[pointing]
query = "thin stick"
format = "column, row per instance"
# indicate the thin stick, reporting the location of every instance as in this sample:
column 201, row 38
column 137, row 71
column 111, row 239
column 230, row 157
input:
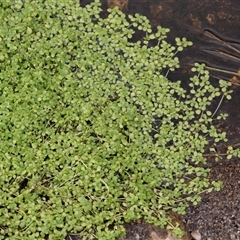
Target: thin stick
column 225, row 80
column 211, row 35
column 218, row 106
column 225, row 54
column 222, row 70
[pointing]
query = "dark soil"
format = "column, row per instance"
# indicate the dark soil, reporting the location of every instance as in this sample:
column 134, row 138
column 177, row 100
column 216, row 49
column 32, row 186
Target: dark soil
column 217, row 217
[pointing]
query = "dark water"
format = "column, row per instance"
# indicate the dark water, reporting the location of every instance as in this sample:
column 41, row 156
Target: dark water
column 194, row 19
column 214, row 28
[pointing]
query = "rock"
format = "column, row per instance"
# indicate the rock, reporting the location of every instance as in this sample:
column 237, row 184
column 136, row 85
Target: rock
column 154, row 236
column 196, row 235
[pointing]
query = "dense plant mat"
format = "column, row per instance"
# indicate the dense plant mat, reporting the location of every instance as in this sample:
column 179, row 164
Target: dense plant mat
column 93, row 134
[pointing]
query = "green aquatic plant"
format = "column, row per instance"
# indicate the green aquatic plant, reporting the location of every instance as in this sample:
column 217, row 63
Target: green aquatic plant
column 93, row 133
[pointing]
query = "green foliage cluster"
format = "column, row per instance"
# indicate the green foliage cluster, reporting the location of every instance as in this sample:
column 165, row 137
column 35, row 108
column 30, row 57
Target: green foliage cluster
column 93, row 134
